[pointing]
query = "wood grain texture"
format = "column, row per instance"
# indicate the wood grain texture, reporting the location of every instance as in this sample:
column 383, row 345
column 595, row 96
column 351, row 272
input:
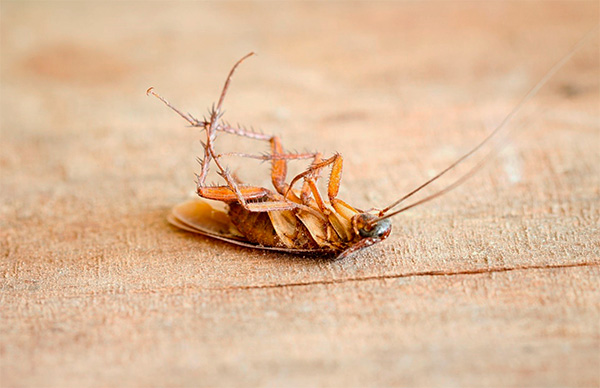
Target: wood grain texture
column 494, row 284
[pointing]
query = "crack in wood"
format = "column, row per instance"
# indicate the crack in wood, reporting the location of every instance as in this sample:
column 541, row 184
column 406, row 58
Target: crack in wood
column 172, row 290
column 476, row 271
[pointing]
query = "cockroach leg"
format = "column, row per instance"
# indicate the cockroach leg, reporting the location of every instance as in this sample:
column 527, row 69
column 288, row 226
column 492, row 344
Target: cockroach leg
column 234, row 191
column 278, row 166
column 241, row 131
column 306, row 187
column 335, row 174
column 310, row 178
column 188, row 118
column 225, row 193
column 278, row 160
column 335, row 177
column 266, row 157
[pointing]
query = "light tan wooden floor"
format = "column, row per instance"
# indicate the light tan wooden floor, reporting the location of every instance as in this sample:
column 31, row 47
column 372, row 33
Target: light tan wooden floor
column 495, row 284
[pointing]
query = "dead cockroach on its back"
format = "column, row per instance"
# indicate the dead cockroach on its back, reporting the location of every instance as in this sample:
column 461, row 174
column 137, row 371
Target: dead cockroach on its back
column 295, row 217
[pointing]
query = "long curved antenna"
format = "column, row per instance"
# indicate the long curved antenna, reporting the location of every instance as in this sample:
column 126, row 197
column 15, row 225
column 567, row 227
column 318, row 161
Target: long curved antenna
column 446, row 189
column 532, row 92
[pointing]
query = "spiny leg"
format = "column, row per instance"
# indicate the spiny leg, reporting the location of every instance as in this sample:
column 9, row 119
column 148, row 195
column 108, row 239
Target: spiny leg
column 205, row 161
column 278, row 166
column 211, row 127
column 335, row 177
column 278, row 157
column 277, row 201
column 211, row 136
column 278, row 160
column 279, row 172
column 310, row 184
column 306, row 187
column 278, row 175
column 187, row 116
column 334, row 180
column 268, row 157
column 242, row 131
column 233, row 191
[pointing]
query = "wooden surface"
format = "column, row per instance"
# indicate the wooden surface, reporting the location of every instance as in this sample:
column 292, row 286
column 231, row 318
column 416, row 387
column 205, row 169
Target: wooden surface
column 495, row 284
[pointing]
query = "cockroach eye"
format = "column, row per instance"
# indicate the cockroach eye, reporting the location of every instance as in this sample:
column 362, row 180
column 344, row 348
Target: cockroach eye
column 381, row 229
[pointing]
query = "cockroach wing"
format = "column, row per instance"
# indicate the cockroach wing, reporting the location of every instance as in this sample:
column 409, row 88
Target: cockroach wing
column 200, row 216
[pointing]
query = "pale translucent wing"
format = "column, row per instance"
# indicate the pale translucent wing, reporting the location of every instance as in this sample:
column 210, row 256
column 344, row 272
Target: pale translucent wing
column 202, row 217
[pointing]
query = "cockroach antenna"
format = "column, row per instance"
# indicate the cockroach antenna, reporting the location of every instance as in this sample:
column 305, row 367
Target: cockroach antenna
column 383, row 214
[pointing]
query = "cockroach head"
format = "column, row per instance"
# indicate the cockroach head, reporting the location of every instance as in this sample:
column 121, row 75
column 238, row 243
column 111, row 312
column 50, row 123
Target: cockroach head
column 367, row 226
column 371, row 229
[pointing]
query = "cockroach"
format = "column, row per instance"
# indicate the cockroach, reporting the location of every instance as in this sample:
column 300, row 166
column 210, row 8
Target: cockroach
column 296, row 219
